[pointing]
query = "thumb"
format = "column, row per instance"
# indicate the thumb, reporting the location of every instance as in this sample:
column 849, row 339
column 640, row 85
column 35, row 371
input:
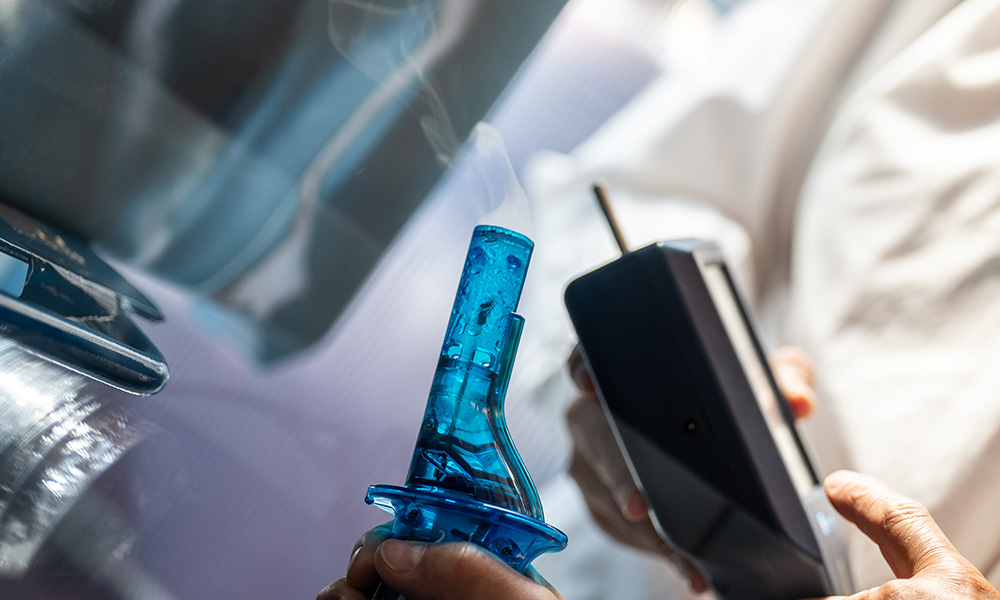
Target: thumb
column 906, row 534
column 451, row 571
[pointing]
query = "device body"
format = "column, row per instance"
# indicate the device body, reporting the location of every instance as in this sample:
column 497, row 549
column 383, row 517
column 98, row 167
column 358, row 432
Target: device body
column 466, row 479
column 709, row 438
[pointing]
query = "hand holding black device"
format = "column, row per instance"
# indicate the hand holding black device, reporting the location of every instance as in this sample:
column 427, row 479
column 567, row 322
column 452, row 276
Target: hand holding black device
column 709, row 438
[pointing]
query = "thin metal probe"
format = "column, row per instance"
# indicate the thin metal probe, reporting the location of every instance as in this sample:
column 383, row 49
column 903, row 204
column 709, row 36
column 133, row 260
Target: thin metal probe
column 601, row 191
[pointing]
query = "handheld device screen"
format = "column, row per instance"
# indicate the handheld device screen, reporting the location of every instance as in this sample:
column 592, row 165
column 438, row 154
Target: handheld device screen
column 724, row 296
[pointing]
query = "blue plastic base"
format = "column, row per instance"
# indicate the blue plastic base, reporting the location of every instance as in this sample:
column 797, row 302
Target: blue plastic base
column 435, row 515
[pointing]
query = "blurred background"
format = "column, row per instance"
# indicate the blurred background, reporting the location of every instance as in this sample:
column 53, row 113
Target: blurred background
column 293, row 185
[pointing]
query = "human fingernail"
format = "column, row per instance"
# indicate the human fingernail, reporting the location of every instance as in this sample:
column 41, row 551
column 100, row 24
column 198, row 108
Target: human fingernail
column 631, row 504
column 400, row 556
column 793, row 381
column 795, row 387
column 354, row 555
column 693, row 576
column 837, row 480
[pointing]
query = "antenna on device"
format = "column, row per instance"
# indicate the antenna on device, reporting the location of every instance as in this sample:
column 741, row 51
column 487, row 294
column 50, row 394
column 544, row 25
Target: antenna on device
column 601, row 191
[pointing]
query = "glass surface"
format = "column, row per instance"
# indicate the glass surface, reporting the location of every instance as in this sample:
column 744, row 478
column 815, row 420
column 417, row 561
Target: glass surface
column 264, row 153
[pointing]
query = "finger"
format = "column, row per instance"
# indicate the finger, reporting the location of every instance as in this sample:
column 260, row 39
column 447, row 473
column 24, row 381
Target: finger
column 597, row 495
column 696, row 581
column 620, row 502
column 604, row 509
column 361, row 574
column 637, row 533
column 452, row 571
column 339, row 590
column 906, row 534
column 578, row 371
column 595, row 444
column 533, row 574
column 793, row 372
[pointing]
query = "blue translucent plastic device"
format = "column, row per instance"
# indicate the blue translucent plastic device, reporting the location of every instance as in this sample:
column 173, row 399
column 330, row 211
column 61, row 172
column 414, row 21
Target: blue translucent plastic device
column 466, row 480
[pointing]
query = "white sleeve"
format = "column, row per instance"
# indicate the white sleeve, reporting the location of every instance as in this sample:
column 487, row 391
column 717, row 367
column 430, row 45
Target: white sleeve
column 896, row 280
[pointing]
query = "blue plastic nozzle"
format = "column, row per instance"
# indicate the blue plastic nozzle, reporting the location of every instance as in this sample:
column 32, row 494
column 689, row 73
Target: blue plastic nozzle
column 466, row 479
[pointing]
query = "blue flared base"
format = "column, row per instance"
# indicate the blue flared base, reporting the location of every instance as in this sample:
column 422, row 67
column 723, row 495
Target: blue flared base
column 436, row 515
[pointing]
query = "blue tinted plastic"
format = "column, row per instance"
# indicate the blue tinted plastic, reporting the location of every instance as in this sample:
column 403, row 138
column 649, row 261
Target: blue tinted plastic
column 466, row 480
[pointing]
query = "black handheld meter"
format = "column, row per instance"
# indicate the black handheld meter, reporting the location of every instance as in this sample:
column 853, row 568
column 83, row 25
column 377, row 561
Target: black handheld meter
column 707, row 434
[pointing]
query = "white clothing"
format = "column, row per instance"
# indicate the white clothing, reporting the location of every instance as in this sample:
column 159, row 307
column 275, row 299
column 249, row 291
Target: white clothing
column 852, row 151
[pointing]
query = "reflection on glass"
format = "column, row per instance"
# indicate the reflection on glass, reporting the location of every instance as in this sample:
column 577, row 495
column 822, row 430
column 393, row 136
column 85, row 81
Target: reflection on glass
column 56, row 438
column 263, row 152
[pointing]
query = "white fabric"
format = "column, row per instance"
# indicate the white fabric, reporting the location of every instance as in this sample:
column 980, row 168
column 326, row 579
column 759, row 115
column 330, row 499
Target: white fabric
column 851, row 149
column 896, row 278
